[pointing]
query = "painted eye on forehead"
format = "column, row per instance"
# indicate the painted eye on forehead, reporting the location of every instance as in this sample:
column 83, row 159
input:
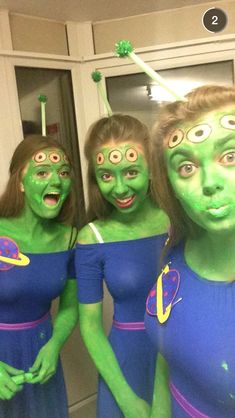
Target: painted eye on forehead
column 39, row 157
column 176, row 137
column 199, row 133
column 54, row 157
column 115, row 156
column 100, row 158
column 228, row 122
column 131, row 155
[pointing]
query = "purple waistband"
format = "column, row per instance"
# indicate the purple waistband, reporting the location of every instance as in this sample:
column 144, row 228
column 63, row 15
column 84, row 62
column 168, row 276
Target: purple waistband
column 23, row 325
column 130, row 326
column 185, row 405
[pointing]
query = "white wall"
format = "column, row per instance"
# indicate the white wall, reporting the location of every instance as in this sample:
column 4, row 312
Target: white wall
column 175, row 25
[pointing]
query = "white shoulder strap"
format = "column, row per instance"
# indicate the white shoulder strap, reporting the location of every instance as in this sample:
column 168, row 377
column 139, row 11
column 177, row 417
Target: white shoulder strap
column 96, row 232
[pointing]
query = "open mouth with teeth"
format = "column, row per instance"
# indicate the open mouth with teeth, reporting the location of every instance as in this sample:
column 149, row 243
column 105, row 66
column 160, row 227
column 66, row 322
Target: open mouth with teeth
column 51, row 199
column 125, row 203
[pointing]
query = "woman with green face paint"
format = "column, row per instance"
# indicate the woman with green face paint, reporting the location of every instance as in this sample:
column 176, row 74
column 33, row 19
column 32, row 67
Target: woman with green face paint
column 190, row 310
column 36, row 255
column 120, row 246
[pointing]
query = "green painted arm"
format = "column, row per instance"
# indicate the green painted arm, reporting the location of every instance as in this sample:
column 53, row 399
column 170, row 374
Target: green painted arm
column 161, row 407
column 67, row 316
column 65, row 321
column 100, row 350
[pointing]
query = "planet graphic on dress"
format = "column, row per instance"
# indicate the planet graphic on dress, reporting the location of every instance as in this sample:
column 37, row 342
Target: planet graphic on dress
column 161, row 298
column 10, row 255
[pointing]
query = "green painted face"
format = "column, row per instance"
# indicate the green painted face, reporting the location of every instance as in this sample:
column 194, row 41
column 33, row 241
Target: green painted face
column 122, row 175
column 200, row 161
column 46, row 182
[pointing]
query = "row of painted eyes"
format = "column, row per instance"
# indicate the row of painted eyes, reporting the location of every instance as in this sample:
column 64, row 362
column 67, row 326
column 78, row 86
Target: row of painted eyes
column 116, row 156
column 54, row 157
column 201, row 132
column 188, row 169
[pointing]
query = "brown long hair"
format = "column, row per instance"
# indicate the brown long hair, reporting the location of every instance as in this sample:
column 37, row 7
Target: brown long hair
column 119, row 128
column 12, row 200
column 200, row 101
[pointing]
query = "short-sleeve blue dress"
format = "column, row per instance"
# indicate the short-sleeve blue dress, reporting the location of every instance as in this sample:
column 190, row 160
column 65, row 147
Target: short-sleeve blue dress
column 26, row 293
column 197, row 340
column 129, row 269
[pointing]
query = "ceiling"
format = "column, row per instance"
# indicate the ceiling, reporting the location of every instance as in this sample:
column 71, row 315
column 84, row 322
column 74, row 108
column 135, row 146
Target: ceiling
column 92, row 10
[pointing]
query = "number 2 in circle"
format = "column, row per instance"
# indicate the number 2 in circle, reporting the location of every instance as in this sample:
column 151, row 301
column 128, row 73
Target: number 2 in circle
column 215, row 20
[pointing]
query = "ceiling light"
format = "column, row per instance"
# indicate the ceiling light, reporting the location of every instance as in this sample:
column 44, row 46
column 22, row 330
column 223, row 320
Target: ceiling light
column 157, row 93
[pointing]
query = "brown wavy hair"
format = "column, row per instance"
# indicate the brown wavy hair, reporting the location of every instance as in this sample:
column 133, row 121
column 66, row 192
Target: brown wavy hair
column 199, row 101
column 118, row 128
column 12, row 199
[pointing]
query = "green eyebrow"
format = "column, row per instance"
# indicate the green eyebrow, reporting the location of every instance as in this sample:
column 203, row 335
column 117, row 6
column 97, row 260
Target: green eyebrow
column 42, row 165
column 103, row 170
column 225, row 140
column 131, row 166
column 180, row 152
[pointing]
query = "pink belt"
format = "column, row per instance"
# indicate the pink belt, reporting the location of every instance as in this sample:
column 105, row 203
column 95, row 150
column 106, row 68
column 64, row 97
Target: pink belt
column 130, row 326
column 23, row 325
column 185, row 405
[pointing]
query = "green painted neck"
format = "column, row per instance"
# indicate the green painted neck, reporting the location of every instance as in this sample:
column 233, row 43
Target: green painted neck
column 30, row 219
column 212, row 255
column 34, row 234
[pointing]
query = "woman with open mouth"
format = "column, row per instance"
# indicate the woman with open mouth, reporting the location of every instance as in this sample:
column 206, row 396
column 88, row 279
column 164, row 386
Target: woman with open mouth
column 190, row 310
column 36, row 266
column 119, row 246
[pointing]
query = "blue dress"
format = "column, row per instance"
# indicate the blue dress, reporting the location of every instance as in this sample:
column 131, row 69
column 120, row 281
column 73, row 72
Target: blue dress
column 197, row 340
column 129, row 269
column 26, row 293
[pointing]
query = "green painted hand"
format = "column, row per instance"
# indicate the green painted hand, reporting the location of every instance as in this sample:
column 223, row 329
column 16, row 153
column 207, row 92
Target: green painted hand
column 8, row 388
column 23, row 378
column 45, row 364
